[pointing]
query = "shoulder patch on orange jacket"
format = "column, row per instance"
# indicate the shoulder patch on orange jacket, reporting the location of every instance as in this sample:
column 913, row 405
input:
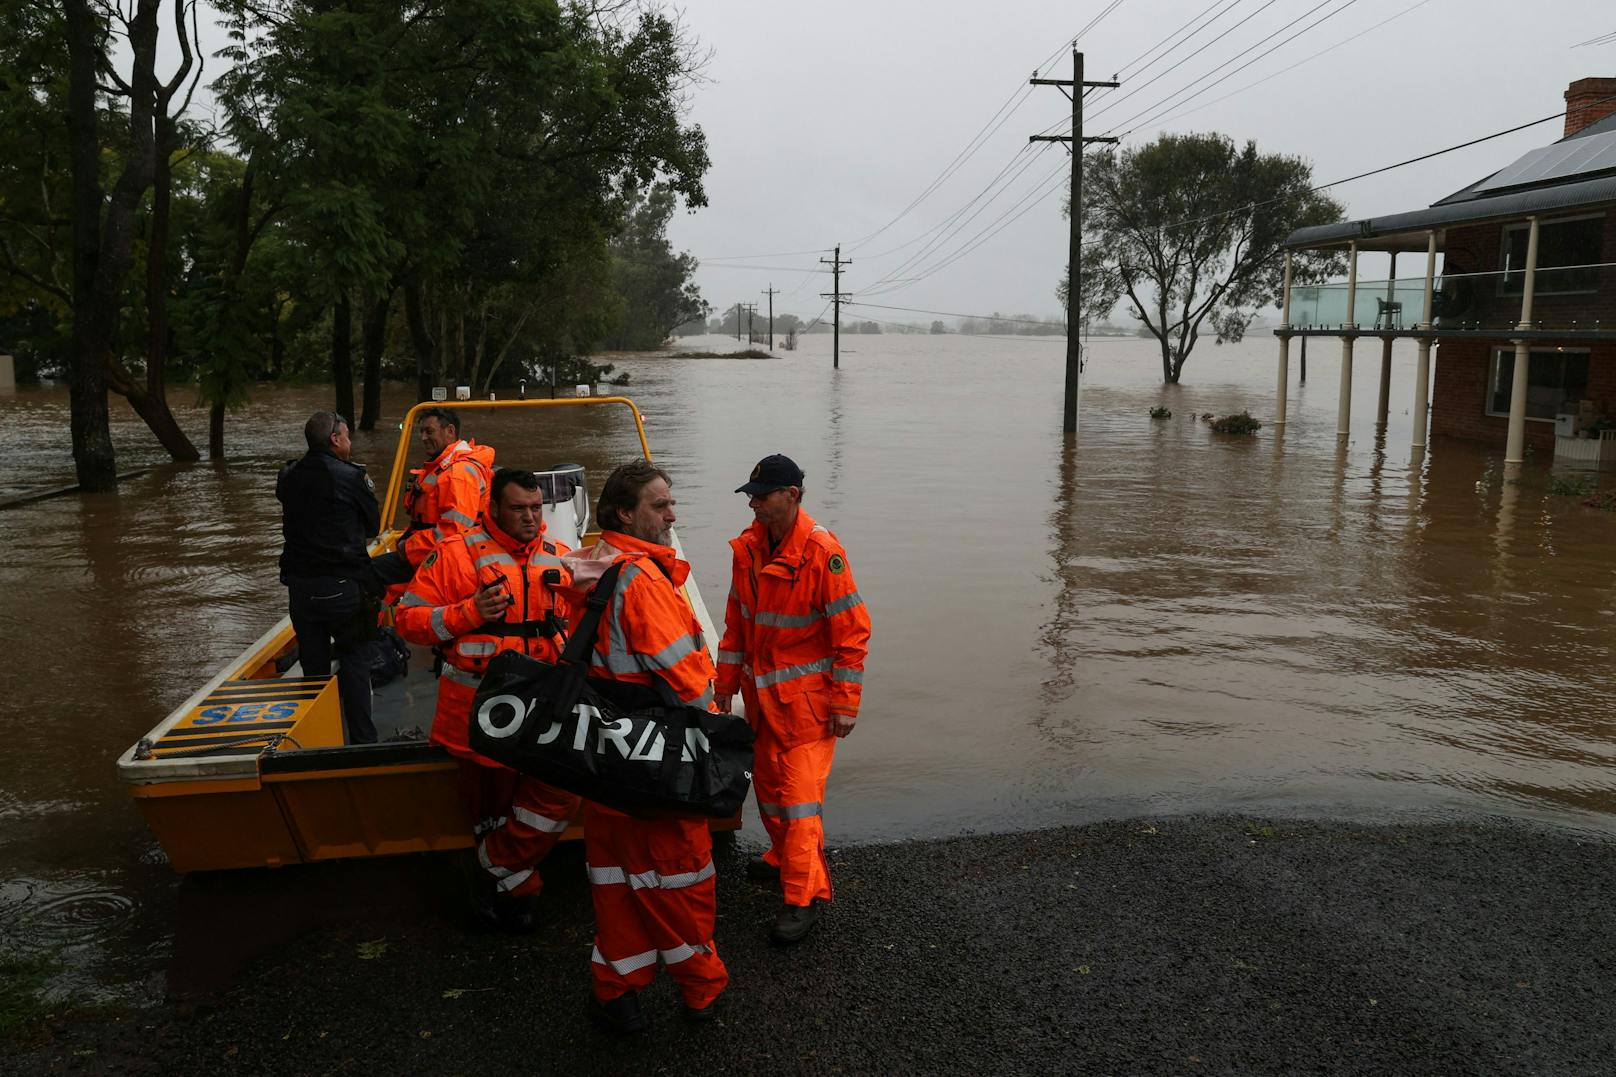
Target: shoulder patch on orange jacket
column 837, row 564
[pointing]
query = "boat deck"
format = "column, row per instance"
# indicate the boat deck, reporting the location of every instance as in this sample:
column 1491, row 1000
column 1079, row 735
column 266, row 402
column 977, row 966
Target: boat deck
column 402, row 708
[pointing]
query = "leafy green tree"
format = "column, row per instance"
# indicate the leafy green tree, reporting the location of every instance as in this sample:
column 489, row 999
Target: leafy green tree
column 74, row 220
column 474, row 156
column 1188, row 229
column 652, row 281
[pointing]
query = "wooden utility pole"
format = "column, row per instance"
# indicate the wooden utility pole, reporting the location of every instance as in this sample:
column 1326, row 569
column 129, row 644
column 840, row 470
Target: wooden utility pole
column 835, row 296
column 1074, row 257
column 771, row 292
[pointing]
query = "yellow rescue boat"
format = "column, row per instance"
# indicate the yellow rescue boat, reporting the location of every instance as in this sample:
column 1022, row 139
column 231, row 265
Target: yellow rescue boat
column 252, row 770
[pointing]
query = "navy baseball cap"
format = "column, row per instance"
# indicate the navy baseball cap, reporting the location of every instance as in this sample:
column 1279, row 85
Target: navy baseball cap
column 771, row 473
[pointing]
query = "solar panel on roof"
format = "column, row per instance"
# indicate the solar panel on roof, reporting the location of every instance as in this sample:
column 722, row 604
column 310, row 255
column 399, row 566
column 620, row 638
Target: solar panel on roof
column 1562, row 160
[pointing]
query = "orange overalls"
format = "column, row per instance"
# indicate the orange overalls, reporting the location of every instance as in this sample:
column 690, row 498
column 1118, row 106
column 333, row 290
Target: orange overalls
column 446, row 496
column 516, row 818
column 651, row 880
column 795, row 636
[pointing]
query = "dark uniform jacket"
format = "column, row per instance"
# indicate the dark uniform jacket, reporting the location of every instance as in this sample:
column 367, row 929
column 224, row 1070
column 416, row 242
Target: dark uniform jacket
column 328, row 511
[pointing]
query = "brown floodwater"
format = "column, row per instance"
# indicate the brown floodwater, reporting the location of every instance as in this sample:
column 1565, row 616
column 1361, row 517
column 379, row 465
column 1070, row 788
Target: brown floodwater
column 1148, row 619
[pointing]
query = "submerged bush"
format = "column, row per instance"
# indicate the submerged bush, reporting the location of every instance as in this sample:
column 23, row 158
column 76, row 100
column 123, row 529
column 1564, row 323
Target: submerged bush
column 1161, row 413
column 1236, row 424
column 1571, row 485
column 1605, row 501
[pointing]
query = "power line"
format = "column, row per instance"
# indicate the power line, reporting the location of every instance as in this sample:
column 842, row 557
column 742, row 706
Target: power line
column 1013, row 102
column 991, row 184
column 1158, row 108
column 893, row 279
column 782, row 269
column 931, row 247
column 1292, row 67
column 1374, row 171
column 1127, row 68
column 954, row 314
column 1049, row 185
column 1601, row 39
column 772, row 254
column 1116, row 99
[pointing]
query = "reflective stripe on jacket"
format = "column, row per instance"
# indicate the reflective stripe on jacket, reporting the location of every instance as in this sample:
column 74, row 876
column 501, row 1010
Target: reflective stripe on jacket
column 439, row 610
column 648, row 626
column 795, row 627
column 446, row 496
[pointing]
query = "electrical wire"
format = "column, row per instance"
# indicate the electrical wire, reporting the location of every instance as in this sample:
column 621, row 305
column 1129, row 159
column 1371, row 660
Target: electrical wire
column 1292, row 67
column 1004, row 220
column 1012, row 103
column 1371, row 172
column 1116, row 99
column 955, row 314
column 773, row 254
column 915, row 259
column 782, row 269
column 1127, row 68
column 931, row 246
column 1169, row 102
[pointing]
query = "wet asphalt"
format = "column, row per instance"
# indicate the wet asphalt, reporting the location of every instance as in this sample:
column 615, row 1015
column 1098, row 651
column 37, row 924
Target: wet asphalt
column 1198, row 945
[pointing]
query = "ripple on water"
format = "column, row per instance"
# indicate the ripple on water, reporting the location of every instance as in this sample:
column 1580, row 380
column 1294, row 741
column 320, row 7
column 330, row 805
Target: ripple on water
column 42, row 914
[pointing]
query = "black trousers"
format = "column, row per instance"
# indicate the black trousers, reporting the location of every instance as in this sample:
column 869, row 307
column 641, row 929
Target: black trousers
column 325, row 610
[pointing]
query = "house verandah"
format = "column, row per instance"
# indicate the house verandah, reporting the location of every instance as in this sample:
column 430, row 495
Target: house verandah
column 1521, row 321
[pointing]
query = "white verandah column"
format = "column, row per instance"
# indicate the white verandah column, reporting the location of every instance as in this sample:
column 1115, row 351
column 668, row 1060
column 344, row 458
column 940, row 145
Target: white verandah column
column 1284, row 348
column 1383, row 402
column 1344, row 404
column 1422, row 370
column 1515, row 445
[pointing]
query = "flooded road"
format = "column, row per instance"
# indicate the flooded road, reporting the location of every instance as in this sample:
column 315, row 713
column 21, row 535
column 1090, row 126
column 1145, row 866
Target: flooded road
column 1150, row 619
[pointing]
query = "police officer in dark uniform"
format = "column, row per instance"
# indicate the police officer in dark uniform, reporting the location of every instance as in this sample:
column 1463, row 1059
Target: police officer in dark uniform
column 328, row 512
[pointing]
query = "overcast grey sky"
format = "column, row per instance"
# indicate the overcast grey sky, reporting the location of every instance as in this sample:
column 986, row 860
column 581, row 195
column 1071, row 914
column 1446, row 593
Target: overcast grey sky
column 826, row 119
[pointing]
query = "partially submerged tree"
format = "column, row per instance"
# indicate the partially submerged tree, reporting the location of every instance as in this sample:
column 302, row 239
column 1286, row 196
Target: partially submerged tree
column 1187, row 229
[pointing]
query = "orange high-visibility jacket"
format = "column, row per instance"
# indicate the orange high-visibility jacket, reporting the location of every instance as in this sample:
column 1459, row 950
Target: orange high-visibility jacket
column 648, row 627
column 439, row 610
column 446, row 495
column 795, row 631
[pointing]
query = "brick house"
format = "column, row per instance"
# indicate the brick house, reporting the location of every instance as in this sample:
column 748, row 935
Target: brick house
column 1528, row 273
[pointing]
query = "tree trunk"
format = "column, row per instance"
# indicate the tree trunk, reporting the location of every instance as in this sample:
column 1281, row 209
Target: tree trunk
column 374, row 341
column 93, row 456
column 153, row 409
column 342, row 356
column 426, row 352
column 216, row 431
column 152, row 405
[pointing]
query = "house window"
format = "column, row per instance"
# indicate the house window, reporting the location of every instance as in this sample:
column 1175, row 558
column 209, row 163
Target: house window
column 1577, row 242
column 1555, row 381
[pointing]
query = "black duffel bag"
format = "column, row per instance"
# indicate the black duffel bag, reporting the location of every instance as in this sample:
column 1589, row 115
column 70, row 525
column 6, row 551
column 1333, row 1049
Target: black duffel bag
column 632, row 747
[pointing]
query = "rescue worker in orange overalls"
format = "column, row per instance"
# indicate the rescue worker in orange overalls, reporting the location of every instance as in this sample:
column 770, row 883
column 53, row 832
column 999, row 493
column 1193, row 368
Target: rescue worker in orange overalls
column 445, row 497
column 492, row 589
column 795, row 636
column 651, row 880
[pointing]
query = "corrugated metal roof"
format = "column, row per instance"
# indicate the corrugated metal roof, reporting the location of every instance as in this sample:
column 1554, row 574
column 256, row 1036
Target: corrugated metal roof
column 1590, row 192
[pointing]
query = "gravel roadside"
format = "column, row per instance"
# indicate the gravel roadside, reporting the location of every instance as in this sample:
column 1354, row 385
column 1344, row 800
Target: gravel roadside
column 1219, row 945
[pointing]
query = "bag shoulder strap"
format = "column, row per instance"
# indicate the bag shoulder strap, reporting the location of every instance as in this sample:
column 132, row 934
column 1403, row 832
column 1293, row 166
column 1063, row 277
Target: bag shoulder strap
column 583, row 638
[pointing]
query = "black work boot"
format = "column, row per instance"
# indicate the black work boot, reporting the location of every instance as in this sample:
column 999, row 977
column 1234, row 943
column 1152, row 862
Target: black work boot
column 496, row 911
column 620, row 1016
column 794, row 923
column 703, row 1015
column 760, row 870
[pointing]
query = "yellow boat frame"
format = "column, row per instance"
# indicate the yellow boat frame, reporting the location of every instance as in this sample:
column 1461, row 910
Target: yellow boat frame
column 219, row 791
